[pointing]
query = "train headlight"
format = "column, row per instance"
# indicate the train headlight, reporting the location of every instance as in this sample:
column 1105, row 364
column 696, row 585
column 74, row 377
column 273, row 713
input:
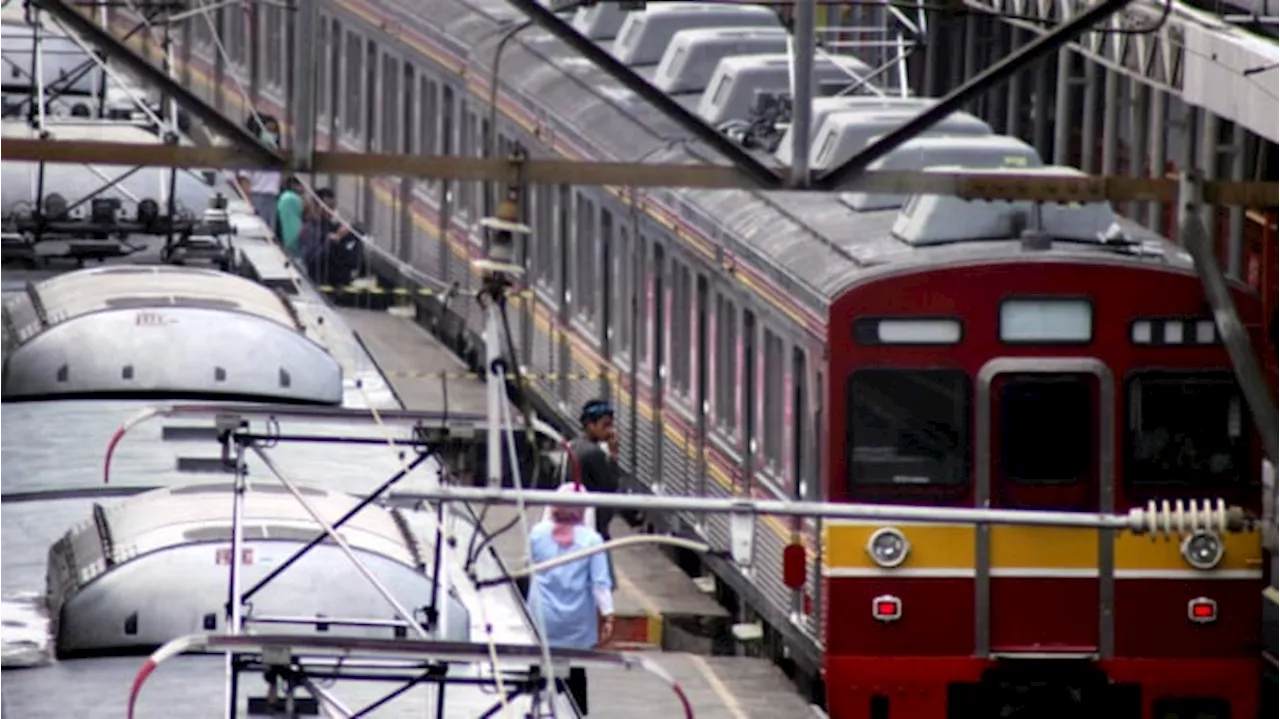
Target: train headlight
column 1202, row 550
column 888, row 547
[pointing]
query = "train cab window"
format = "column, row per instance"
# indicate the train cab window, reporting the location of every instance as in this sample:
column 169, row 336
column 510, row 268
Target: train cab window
column 908, row 427
column 1047, row 425
column 1185, row 429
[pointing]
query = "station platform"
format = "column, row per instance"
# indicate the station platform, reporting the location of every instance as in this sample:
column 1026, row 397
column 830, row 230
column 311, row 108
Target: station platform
column 659, row 608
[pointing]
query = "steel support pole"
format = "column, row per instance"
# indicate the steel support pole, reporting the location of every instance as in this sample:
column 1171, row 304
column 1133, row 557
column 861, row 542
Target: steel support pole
column 1157, row 156
column 113, row 48
column 1110, row 119
column 1089, row 128
column 1198, row 242
column 307, row 30
column 997, row 73
column 1041, row 108
column 1063, row 117
column 745, row 161
column 1235, row 215
column 802, row 52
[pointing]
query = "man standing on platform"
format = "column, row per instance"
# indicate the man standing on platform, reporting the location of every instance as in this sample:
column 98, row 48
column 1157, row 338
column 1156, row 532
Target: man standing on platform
column 595, row 458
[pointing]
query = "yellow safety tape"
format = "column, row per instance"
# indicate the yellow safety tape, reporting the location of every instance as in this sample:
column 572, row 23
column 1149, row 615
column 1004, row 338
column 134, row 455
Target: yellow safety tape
column 527, row 376
column 398, row 291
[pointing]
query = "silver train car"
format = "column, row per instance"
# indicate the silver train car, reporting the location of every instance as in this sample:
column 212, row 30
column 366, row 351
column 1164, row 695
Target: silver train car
column 117, row 531
column 637, row 288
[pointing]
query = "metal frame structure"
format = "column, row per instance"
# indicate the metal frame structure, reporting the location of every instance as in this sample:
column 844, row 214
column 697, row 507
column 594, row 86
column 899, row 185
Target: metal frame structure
column 296, row 661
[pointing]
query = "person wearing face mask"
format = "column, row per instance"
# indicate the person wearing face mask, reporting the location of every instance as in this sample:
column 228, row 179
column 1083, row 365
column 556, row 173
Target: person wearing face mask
column 262, row 187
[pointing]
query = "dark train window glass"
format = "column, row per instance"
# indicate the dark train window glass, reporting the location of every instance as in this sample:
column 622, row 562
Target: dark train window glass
column 772, row 408
column 1186, row 429
column 908, row 427
column 1047, row 428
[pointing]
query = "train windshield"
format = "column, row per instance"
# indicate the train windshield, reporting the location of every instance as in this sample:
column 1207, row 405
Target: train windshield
column 1186, row 429
column 908, row 427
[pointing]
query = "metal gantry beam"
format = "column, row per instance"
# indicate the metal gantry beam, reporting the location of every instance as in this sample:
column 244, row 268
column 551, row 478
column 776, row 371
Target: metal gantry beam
column 975, row 185
column 117, row 50
column 970, row 90
column 763, row 176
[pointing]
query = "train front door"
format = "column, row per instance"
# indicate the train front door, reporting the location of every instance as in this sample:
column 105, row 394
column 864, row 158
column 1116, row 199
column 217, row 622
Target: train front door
column 1044, row 443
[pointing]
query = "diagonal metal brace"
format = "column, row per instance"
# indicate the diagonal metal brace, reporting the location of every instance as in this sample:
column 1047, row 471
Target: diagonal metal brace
column 977, row 85
column 113, row 48
column 323, row 535
column 1196, row 240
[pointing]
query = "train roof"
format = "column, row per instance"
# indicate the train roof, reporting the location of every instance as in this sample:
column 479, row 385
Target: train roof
column 211, row 318
column 813, row 245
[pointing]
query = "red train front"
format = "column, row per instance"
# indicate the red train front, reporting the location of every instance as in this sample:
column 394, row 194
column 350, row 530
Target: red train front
column 1065, row 378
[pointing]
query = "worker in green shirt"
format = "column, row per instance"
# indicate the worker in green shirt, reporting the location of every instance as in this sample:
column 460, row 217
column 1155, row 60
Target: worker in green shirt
column 289, row 211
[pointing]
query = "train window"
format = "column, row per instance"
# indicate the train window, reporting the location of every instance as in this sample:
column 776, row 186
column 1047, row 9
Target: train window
column 354, row 98
column 273, row 24
column 585, row 260
column 908, row 427
column 906, row 331
column 388, row 137
column 643, row 292
column 557, row 255
column 427, row 118
column 681, row 312
column 408, row 126
column 772, row 406
column 800, row 424
column 323, row 70
column 1047, row 426
column 623, row 270
column 446, row 120
column 370, row 90
column 606, row 253
column 1186, row 429
column 1042, row 321
column 235, row 33
column 727, row 368
column 465, row 145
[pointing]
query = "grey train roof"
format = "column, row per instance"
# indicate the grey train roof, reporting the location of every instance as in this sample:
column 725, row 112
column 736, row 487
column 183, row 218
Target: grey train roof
column 812, row 244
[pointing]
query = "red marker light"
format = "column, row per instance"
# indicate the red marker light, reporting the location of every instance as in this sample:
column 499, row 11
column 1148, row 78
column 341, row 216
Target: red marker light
column 1202, row 610
column 886, row 608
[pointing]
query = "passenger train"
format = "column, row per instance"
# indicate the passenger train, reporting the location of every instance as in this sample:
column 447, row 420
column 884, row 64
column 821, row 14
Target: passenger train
column 106, row 317
column 856, row 347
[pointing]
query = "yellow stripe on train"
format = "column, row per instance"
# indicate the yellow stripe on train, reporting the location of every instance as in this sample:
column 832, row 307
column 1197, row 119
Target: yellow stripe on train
column 950, row 550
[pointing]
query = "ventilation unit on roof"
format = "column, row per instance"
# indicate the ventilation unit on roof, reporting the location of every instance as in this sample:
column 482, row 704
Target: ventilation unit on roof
column 644, row 36
column 976, row 153
column 601, row 21
column 155, row 567
column 938, row 219
column 692, row 57
column 843, row 134
column 737, row 81
column 823, row 107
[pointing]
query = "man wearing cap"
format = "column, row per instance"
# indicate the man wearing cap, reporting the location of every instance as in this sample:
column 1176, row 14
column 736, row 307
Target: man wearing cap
column 596, row 458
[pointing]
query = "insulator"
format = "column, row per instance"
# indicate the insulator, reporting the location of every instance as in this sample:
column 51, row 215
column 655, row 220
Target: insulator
column 1180, row 517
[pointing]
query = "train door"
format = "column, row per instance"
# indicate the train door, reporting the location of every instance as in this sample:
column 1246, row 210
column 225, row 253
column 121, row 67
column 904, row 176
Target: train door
column 1044, row 442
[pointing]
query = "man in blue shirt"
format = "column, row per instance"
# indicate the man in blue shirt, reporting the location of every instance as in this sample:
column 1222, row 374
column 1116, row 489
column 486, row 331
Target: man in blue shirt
column 574, row 600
